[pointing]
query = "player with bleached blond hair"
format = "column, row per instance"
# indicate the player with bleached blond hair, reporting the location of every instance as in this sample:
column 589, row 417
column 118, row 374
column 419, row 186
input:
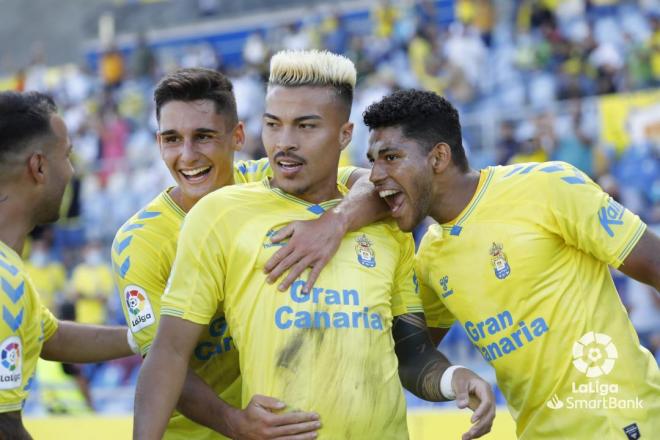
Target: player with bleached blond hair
column 345, row 349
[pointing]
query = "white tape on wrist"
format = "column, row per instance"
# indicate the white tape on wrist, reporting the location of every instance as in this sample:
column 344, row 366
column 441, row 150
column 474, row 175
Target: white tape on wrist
column 445, row 382
column 131, row 342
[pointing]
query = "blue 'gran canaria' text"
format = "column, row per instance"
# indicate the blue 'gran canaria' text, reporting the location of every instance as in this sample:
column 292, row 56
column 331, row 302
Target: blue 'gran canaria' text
column 286, row 317
column 514, row 340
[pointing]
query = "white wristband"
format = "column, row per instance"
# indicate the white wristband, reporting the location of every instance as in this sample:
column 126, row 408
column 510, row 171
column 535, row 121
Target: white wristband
column 131, row 342
column 445, row 382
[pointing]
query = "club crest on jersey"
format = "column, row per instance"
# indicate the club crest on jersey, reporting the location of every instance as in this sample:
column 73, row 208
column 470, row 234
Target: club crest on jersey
column 140, row 313
column 11, row 360
column 365, row 253
column 268, row 243
column 499, row 261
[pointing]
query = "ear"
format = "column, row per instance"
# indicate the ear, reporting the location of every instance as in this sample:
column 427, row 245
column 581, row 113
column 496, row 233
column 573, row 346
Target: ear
column 440, row 157
column 238, row 136
column 345, row 134
column 36, row 167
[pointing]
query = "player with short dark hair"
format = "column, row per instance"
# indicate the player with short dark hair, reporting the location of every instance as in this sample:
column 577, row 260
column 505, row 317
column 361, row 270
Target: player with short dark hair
column 34, row 172
column 520, row 258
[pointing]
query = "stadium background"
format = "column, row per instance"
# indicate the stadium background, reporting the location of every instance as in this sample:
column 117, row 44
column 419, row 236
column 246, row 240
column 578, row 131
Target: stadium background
column 571, row 80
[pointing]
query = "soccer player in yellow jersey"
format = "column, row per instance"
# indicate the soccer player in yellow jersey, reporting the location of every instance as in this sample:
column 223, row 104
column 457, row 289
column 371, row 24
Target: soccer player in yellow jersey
column 520, row 259
column 34, row 170
column 198, row 134
column 331, row 351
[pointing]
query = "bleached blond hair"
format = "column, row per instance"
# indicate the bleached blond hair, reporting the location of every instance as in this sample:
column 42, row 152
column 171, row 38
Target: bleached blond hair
column 296, row 68
column 291, row 68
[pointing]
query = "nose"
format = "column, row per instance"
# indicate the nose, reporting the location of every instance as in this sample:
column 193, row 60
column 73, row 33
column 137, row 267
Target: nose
column 377, row 174
column 286, row 141
column 188, row 151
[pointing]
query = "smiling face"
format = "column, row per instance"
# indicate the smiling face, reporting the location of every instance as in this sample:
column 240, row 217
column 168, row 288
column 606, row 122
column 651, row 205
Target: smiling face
column 304, row 130
column 402, row 174
column 198, row 148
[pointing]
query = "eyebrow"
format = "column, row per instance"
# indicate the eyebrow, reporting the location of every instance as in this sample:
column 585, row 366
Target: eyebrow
column 197, row 130
column 298, row 119
column 381, row 151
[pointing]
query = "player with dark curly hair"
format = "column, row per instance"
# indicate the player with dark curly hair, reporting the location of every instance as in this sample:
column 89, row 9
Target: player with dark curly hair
column 520, row 258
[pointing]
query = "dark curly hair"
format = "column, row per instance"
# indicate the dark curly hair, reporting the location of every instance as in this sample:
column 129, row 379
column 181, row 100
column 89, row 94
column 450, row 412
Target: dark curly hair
column 192, row 84
column 424, row 117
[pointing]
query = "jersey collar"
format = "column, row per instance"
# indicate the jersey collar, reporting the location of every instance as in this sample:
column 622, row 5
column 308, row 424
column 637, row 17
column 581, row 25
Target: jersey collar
column 485, row 177
column 317, row 209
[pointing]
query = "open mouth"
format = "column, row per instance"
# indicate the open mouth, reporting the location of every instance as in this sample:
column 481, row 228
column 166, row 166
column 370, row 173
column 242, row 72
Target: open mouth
column 289, row 166
column 195, row 175
column 394, row 199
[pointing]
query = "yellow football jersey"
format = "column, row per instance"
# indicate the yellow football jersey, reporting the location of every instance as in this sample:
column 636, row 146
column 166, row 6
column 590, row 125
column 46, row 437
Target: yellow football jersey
column 142, row 254
column 330, row 351
column 26, row 324
column 524, row 269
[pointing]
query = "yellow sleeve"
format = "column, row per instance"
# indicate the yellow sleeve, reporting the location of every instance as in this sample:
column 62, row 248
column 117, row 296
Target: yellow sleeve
column 140, row 283
column 196, row 285
column 12, row 345
column 437, row 314
column 344, row 173
column 404, row 296
column 586, row 217
column 49, row 323
column 246, row 171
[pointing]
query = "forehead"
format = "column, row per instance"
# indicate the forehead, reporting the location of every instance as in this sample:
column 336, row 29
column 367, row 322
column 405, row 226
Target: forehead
column 58, row 127
column 292, row 102
column 389, row 138
column 190, row 115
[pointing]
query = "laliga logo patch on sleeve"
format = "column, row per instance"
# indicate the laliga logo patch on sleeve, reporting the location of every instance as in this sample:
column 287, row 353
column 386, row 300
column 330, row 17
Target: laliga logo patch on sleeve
column 140, row 313
column 11, row 363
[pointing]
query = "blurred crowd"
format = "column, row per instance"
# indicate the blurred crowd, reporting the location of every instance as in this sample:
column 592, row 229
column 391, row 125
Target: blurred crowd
column 545, row 63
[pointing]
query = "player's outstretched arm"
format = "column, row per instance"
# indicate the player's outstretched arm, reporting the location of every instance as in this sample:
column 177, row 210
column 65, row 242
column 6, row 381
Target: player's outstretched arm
column 80, row 343
column 314, row 242
column 258, row 421
column 162, row 376
column 643, row 262
column 422, row 369
column 11, row 426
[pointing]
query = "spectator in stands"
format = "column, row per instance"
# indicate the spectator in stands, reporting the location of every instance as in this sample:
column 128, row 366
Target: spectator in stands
column 144, row 60
column 91, row 285
column 112, row 68
column 507, row 145
column 48, row 275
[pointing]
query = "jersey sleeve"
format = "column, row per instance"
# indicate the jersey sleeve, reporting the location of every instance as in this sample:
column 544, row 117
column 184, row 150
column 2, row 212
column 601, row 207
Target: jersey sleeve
column 437, row 314
column 49, row 323
column 588, row 218
column 12, row 369
column 405, row 298
column 344, row 173
column 140, row 283
column 195, row 288
column 246, row 171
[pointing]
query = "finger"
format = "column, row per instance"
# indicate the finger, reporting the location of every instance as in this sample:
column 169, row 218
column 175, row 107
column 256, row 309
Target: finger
column 462, row 397
column 289, row 260
column 283, row 233
column 298, row 428
column 275, row 260
column 294, row 273
column 294, row 417
column 313, row 275
column 266, row 402
column 478, row 429
column 306, row 436
column 485, row 402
